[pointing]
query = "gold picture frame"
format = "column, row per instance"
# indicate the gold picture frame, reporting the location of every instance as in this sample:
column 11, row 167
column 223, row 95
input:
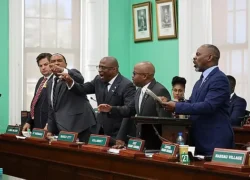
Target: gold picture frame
column 142, row 21
column 166, row 19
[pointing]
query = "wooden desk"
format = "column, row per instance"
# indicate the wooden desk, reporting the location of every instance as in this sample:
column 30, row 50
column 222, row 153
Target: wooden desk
column 42, row 161
column 242, row 137
column 7, row 177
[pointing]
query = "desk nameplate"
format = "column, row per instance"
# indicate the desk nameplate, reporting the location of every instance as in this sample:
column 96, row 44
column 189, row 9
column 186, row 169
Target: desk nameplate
column 167, row 152
column 229, row 159
column 134, row 149
column 98, row 143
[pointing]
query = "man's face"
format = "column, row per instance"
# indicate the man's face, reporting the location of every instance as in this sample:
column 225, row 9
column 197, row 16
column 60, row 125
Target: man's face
column 201, row 59
column 106, row 70
column 44, row 67
column 138, row 77
column 58, row 60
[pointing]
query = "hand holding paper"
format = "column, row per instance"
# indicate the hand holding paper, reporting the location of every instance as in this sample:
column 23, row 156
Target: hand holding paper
column 154, row 96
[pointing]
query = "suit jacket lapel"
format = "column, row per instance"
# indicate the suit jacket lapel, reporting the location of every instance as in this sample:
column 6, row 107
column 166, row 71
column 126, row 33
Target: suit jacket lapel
column 137, row 96
column 49, row 88
column 145, row 97
column 201, row 86
column 59, row 92
column 231, row 102
column 113, row 88
column 44, row 87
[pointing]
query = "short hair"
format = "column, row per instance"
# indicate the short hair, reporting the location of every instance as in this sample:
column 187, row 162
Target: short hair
column 232, row 80
column 215, row 50
column 60, row 55
column 42, row 56
column 179, row 80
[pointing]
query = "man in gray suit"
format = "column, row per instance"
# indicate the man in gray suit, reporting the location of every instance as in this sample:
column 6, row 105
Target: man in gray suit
column 145, row 105
column 68, row 111
column 110, row 87
column 143, row 77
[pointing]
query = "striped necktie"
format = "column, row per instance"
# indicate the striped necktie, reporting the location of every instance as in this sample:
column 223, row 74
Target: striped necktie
column 34, row 101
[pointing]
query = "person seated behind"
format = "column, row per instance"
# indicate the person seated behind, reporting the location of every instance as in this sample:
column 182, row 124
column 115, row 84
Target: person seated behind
column 178, row 88
column 237, row 104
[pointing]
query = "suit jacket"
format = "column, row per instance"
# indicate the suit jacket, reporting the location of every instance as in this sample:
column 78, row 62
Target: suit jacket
column 41, row 108
column 208, row 107
column 120, row 97
column 150, row 107
column 237, row 109
column 72, row 112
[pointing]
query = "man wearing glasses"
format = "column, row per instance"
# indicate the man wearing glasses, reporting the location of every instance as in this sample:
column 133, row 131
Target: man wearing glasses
column 145, row 105
column 113, row 89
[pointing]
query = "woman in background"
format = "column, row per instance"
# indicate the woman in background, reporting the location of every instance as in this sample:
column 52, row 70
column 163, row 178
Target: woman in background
column 178, row 88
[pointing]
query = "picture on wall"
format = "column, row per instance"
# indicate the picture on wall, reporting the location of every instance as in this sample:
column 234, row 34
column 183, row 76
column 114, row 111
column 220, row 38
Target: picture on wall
column 166, row 19
column 142, row 22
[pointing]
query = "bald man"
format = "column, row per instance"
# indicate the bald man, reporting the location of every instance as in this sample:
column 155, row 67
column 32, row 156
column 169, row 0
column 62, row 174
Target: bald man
column 111, row 88
column 143, row 78
column 208, row 104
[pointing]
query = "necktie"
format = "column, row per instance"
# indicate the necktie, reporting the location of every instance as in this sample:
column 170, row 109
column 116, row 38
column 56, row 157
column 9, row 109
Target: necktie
column 105, row 90
column 201, row 80
column 38, row 92
column 140, row 99
column 54, row 91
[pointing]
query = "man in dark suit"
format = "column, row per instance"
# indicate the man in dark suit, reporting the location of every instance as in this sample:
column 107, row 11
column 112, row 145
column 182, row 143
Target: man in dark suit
column 68, row 110
column 110, row 87
column 208, row 104
column 38, row 116
column 237, row 104
column 145, row 105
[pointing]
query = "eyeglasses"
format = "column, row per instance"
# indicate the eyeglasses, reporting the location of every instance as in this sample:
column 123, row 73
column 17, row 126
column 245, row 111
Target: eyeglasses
column 103, row 67
column 134, row 73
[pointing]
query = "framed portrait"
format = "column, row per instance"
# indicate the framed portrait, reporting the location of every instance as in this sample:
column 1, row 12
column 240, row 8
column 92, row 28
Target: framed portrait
column 166, row 19
column 142, row 22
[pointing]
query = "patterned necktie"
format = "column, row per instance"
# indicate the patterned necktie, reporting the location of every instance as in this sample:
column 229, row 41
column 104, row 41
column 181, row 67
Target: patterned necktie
column 38, row 92
column 201, row 80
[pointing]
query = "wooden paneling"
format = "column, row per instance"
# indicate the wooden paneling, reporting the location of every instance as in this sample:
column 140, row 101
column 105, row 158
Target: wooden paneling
column 31, row 160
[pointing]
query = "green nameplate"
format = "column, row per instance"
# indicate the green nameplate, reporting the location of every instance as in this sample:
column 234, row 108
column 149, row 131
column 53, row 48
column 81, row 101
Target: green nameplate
column 67, row 137
column 184, row 158
column 15, row 130
column 38, row 133
column 135, row 144
column 169, row 149
column 98, row 140
column 229, row 156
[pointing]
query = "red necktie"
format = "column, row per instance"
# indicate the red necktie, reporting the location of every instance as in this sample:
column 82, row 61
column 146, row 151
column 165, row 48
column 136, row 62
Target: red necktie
column 33, row 104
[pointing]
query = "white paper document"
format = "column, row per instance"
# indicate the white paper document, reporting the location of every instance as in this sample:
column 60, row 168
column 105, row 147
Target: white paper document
column 153, row 95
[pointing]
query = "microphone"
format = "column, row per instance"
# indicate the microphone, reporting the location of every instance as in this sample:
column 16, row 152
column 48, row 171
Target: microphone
column 93, row 99
column 132, row 137
column 159, row 136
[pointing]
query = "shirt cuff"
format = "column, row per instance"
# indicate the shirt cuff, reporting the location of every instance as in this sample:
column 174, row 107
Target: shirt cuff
column 71, row 85
column 65, row 71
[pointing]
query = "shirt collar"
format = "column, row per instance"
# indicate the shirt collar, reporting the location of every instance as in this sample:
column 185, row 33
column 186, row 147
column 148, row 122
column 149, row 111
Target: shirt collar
column 232, row 95
column 48, row 77
column 112, row 80
column 208, row 71
column 144, row 88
